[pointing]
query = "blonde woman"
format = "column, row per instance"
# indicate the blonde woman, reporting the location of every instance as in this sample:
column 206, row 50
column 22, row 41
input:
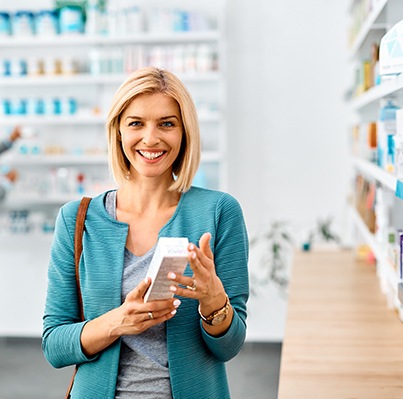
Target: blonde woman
column 174, row 348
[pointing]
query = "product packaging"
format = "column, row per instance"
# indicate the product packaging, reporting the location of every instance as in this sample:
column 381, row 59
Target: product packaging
column 386, row 129
column 170, row 256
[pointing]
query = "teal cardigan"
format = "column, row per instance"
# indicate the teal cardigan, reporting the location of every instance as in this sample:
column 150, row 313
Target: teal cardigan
column 196, row 359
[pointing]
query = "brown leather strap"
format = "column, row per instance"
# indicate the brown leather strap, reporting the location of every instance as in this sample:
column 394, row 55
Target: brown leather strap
column 67, row 396
column 78, row 246
column 78, row 249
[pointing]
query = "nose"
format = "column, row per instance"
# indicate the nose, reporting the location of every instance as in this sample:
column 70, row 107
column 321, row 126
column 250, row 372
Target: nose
column 151, row 136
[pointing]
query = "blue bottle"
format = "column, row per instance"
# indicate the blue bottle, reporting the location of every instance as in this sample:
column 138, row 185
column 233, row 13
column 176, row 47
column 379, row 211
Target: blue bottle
column 386, row 132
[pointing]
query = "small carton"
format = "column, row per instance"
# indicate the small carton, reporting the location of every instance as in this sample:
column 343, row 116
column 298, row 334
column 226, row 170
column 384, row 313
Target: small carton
column 170, row 255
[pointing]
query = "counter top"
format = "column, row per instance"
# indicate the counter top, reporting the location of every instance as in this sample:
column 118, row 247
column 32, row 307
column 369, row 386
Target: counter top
column 341, row 340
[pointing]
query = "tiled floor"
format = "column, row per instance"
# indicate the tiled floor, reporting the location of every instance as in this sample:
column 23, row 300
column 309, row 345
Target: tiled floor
column 25, row 374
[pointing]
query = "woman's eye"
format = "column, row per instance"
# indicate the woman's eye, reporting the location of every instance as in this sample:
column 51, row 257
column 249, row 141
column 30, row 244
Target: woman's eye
column 135, row 123
column 167, row 124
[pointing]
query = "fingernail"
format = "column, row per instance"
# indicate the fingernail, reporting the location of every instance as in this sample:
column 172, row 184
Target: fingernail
column 193, row 256
column 177, row 302
column 174, row 311
column 171, row 275
column 191, row 247
column 146, row 280
column 172, row 288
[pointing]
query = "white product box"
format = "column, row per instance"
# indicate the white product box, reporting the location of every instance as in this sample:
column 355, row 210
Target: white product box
column 170, row 255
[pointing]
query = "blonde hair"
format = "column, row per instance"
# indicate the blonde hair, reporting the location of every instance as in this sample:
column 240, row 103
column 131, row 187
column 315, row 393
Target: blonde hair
column 154, row 80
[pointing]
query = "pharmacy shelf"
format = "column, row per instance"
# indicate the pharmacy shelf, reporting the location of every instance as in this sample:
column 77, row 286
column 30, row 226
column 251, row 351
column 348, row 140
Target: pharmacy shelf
column 78, row 119
column 81, row 159
column 369, row 24
column 50, row 120
column 148, row 38
column 50, row 160
column 374, row 172
column 89, row 79
column 378, row 92
column 18, row 201
column 385, row 269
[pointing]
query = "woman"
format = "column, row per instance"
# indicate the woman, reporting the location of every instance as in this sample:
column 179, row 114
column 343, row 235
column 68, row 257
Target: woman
column 174, row 348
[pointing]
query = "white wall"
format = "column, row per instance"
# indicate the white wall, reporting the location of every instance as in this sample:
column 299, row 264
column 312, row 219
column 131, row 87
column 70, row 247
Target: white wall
column 287, row 122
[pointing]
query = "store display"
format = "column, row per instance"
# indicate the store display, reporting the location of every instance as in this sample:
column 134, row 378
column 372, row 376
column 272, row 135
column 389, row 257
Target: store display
column 378, row 208
column 38, row 106
column 112, row 20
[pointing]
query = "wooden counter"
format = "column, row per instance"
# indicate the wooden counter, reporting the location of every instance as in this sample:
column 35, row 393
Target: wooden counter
column 341, row 341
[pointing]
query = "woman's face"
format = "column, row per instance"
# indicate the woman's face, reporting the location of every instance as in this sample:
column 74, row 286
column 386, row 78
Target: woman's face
column 151, row 132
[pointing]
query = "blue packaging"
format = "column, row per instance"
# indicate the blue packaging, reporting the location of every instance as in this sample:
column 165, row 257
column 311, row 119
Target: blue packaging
column 180, row 21
column 40, row 107
column 57, row 106
column 386, row 131
column 19, row 106
column 23, row 23
column 6, row 106
column 72, row 106
column 5, row 24
column 18, row 67
column 6, row 68
column 47, row 23
column 52, row 106
column 71, row 20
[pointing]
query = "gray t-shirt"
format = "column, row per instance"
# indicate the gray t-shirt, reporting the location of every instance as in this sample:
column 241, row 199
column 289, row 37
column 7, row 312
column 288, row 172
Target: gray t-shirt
column 143, row 367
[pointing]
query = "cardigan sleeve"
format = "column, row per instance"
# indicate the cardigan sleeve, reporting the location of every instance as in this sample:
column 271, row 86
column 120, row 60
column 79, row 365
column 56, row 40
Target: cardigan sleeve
column 61, row 321
column 231, row 250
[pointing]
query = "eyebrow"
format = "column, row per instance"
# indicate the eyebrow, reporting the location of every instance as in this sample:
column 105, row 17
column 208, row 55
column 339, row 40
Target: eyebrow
column 162, row 118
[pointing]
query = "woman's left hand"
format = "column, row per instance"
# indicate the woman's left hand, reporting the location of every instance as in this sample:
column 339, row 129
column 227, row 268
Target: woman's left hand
column 205, row 285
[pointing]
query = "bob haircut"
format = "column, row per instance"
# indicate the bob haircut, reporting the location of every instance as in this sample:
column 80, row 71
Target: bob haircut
column 151, row 80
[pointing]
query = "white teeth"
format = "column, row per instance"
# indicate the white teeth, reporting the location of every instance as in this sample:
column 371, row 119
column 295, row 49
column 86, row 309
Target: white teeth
column 151, row 155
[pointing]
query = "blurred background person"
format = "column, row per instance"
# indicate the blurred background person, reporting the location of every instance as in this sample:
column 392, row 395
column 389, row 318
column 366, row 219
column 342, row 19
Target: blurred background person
column 8, row 176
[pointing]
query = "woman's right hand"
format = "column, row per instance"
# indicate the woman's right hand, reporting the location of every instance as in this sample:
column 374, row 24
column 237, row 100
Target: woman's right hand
column 132, row 317
column 138, row 316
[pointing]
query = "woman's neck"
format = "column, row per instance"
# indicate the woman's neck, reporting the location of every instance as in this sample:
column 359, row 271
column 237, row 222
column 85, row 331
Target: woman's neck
column 146, row 197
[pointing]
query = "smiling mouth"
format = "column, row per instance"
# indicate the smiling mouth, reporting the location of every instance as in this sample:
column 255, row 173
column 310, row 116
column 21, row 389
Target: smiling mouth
column 151, row 155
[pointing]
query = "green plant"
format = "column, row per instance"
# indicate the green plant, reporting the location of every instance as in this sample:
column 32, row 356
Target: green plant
column 275, row 247
column 321, row 232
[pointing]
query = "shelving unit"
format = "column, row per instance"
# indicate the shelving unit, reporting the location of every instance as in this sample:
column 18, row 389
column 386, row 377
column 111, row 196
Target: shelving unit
column 88, row 79
column 383, row 15
column 147, row 38
column 373, row 172
column 373, row 21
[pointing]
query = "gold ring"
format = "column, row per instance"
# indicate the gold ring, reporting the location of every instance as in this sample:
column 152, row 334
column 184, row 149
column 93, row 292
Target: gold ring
column 150, row 315
column 193, row 287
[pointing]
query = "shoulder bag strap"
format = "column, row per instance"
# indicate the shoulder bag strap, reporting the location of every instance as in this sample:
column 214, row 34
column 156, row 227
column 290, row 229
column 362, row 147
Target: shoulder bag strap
column 78, row 246
column 78, row 249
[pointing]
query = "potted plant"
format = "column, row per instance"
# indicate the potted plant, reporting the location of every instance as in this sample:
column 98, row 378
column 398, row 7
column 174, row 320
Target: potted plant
column 322, row 232
column 274, row 248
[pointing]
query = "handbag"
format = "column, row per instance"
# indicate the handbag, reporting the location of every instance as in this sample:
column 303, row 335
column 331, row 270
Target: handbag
column 78, row 249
